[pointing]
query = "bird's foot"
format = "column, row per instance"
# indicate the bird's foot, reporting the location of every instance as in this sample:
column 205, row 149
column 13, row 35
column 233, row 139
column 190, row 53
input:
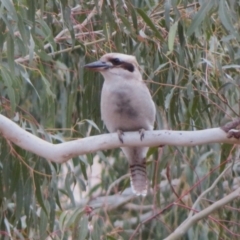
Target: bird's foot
column 120, row 135
column 141, row 132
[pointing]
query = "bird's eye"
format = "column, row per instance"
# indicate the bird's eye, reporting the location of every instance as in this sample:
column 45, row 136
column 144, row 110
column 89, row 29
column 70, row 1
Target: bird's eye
column 115, row 61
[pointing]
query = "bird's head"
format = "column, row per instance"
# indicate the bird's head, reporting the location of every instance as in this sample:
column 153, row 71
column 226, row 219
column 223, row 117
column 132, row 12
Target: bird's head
column 112, row 65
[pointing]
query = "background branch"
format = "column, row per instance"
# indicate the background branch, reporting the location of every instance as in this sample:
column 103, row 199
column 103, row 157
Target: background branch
column 182, row 229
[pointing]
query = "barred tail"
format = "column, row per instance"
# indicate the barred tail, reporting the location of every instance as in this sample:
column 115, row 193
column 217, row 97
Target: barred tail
column 138, row 177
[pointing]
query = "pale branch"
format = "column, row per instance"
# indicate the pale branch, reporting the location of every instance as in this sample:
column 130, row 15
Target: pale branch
column 183, row 228
column 64, row 151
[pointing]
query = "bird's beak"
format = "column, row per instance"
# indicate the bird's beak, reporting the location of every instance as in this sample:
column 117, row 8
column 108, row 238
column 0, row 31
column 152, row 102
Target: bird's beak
column 97, row 66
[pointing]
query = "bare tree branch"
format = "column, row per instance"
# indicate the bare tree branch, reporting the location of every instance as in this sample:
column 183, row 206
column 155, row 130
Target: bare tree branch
column 64, row 151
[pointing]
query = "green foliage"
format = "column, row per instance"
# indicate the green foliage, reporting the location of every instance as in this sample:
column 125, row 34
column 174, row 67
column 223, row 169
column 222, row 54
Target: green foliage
column 189, row 54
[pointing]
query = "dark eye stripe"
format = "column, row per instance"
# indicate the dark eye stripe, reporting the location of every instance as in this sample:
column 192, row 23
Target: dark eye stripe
column 128, row 66
column 125, row 65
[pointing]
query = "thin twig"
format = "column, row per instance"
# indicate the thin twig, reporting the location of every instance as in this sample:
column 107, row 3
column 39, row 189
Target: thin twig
column 60, row 34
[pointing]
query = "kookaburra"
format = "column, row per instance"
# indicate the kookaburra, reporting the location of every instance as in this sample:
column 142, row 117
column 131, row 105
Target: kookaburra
column 126, row 105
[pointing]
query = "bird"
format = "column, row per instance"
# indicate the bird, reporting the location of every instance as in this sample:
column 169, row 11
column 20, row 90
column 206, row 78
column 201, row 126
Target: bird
column 126, row 105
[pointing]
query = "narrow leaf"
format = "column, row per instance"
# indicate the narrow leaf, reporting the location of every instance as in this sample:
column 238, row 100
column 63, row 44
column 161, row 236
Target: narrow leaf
column 48, row 86
column 24, row 31
column 68, row 22
column 171, row 36
column 68, row 183
column 10, row 53
column 31, row 12
column 225, row 17
column 148, row 21
column 25, row 75
column 200, row 16
column 11, row 10
column 37, row 183
column 8, row 81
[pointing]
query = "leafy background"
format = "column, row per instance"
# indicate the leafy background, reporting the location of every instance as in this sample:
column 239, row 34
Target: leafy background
column 190, row 58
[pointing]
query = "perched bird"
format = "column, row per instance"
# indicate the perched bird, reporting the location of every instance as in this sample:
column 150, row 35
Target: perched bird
column 126, row 105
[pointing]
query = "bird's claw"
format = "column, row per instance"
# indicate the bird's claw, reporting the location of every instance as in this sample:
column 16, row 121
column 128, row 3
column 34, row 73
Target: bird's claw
column 141, row 132
column 120, row 135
